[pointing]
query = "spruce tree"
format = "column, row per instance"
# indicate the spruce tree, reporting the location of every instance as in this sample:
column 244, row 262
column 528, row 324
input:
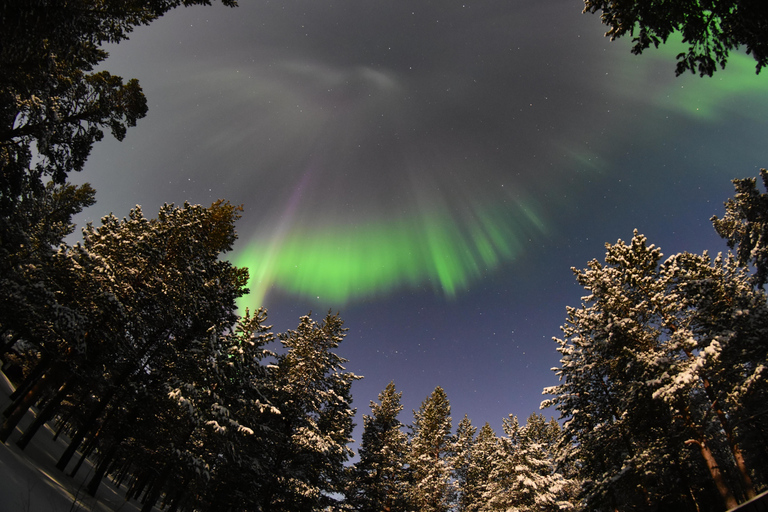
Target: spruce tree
column 378, row 479
column 535, row 482
column 315, row 426
column 611, row 419
column 432, row 488
column 474, row 491
column 463, row 464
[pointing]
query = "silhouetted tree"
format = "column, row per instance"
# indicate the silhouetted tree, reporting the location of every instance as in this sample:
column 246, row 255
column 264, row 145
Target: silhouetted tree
column 51, row 103
column 711, row 28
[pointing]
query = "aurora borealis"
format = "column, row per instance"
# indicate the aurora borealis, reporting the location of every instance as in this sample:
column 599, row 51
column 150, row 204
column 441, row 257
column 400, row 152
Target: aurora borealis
column 430, row 170
column 343, row 263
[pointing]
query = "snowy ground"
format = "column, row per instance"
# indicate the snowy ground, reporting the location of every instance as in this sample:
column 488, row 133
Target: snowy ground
column 30, row 482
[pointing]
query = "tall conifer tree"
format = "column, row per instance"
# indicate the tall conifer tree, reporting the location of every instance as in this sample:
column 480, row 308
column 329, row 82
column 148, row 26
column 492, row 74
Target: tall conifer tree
column 378, row 479
column 312, row 389
column 433, row 488
column 657, row 365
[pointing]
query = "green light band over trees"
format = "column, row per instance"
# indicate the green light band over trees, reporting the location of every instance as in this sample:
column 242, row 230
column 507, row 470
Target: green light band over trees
column 342, row 263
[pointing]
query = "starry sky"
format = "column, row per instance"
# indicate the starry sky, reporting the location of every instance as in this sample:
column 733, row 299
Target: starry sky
column 431, row 170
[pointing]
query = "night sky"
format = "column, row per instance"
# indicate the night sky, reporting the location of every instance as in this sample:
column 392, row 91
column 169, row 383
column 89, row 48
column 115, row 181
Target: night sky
column 431, row 170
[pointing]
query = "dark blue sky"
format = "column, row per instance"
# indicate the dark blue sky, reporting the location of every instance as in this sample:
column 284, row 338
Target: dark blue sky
column 362, row 117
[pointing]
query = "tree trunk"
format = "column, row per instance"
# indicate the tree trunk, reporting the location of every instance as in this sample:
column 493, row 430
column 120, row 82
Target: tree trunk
column 27, row 400
column 137, row 485
column 738, row 456
column 44, row 415
column 41, row 367
column 714, row 471
column 84, row 430
column 741, row 464
column 178, row 500
column 101, row 469
column 61, row 425
column 90, row 423
column 91, row 445
column 153, row 493
column 155, row 489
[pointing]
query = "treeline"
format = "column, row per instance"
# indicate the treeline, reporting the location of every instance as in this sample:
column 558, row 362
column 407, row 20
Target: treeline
column 130, row 344
column 432, row 469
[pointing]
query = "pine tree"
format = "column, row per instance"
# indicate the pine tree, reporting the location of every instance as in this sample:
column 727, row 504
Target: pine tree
column 475, row 482
column 475, row 461
column 378, row 479
column 315, row 426
column 745, row 225
column 432, row 488
column 28, row 267
column 215, row 394
column 717, row 356
column 463, row 464
column 529, row 466
column 648, row 365
column 135, row 292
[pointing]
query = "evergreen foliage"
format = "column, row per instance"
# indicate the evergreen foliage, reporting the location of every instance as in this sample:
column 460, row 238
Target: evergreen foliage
column 464, row 466
column 378, row 481
column 745, row 225
column 52, row 105
column 657, row 365
column 475, row 489
column 524, row 475
column 433, row 488
column 315, row 424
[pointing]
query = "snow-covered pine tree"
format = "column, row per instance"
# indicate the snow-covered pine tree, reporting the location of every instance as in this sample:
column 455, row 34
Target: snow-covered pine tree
column 312, row 390
column 477, row 468
column 160, row 283
column 35, row 320
column 218, row 389
column 141, row 290
column 500, row 493
column 524, row 476
column 630, row 446
column 432, row 488
column 474, row 483
column 463, row 464
column 378, row 481
column 715, row 361
column 745, row 225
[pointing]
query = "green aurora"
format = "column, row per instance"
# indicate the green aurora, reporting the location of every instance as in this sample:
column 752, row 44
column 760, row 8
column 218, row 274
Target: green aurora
column 447, row 252
column 708, row 98
column 342, row 263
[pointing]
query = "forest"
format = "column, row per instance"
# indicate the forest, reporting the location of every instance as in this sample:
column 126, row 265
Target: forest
column 129, row 342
